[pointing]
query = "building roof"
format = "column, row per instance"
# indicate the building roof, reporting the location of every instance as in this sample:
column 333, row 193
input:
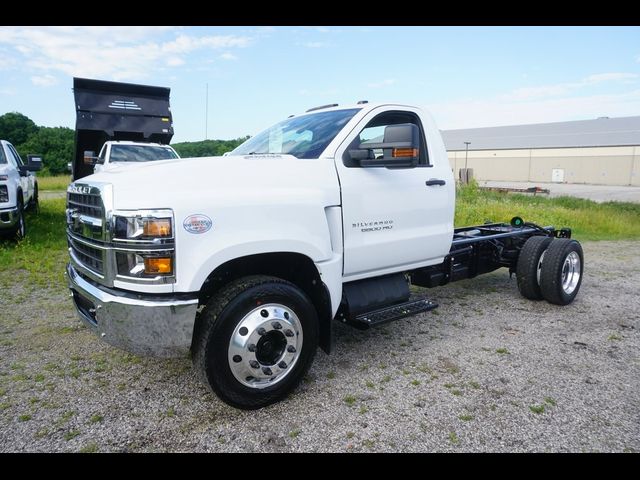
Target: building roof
column 601, row 132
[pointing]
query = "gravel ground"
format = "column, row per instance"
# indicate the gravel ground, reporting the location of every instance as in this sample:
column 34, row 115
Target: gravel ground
column 487, row 371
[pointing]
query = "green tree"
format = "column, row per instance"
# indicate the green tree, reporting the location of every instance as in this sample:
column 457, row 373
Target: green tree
column 16, row 128
column 207, row 148
column 55, row 144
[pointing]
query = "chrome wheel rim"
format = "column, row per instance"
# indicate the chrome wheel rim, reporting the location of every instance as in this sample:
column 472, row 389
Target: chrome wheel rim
column 571, row 273
column 265, row 345
column 539, row 270
column 21, row 225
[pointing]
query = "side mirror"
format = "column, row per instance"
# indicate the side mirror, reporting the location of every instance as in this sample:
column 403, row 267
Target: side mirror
column 89, row 157
column 400, row 147
column 34, row 163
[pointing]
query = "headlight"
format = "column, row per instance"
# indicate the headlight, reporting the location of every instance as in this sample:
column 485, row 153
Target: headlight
column 144, row 245
column 142, row 228
column 144, row 265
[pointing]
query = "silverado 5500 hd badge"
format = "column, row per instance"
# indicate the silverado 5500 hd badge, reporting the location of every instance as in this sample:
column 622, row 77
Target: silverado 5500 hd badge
column 197, row 223
column 373, row 226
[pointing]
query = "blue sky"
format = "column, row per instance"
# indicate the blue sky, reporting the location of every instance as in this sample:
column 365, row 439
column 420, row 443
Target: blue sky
column 466, row 76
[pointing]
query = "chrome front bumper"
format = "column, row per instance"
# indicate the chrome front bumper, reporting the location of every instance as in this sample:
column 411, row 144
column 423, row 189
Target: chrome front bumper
column 144, row 324
column 8, row 217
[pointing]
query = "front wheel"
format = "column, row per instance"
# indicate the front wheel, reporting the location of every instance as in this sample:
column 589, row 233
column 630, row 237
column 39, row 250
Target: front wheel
column 255, row 340
column 20, row 230
column 561, row 274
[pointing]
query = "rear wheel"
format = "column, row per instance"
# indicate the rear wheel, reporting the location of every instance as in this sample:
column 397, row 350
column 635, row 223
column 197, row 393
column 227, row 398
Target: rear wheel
column 561, row 274
column 256, row 339
column 529, row 266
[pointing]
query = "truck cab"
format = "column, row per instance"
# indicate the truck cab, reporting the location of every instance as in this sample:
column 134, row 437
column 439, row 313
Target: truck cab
column 122, row 154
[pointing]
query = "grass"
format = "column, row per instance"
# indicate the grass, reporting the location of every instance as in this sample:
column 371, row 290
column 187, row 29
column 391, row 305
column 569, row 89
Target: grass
column 613, row 337
column 71, row 435
column 537, row 409
column 587, row 219
column 453, row 438
column 24, row 418
column 502, row 351
column 56, row 182
column 39, row 259
column 294, row 433
column 96, row 418
column 466, row 418
column 91, row 447
column 350, row 400
column 551, row 401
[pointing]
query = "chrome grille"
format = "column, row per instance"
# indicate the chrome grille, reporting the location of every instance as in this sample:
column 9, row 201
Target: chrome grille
column 86, row 204
column 91, row 257
column 85, row 224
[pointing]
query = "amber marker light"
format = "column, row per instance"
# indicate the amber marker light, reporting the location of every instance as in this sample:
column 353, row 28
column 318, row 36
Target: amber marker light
column 157, row 227
column 157, row 265
column 405, row 152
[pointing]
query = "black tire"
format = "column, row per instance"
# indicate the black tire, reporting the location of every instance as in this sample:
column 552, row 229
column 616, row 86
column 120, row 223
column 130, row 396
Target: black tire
column 20, row 230
column 218, row 321
column 528, row 264
column 558, row 280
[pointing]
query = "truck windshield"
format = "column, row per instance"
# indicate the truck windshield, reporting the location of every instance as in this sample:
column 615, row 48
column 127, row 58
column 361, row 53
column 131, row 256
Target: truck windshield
column 140, row 153
column 303, row 137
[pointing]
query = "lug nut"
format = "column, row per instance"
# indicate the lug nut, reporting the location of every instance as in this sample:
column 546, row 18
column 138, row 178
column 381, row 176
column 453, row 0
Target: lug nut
column 243, row 331
column 254, row 364
column 267, row 371
column 288, row 332
column 261, row 331
column 251, row 347
column 286, row 315
column 237, row 358
column 282, row 364
column 276, row 325
column 264, row 313
column 291, row 349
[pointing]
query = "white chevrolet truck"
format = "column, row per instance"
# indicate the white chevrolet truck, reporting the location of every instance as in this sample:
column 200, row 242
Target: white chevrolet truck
column 246, row 260
column 18, row 190
column 123, row 154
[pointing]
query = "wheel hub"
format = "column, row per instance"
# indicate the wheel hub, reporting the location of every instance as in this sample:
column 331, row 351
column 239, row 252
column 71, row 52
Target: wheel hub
column 265, row 345
column 571, row 273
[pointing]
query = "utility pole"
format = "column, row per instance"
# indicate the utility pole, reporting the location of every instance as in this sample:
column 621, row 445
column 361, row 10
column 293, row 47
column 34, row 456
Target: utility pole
column 466, row 154
column 206, row 114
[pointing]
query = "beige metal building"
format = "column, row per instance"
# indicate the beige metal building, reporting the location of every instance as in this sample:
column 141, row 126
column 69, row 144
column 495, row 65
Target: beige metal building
column 604, row 151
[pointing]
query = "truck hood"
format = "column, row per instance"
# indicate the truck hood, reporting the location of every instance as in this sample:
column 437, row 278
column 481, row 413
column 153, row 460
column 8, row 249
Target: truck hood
column 218, row 181
column 4, row 169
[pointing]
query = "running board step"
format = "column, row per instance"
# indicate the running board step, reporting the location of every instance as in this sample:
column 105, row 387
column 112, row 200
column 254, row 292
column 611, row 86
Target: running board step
column 395, row 312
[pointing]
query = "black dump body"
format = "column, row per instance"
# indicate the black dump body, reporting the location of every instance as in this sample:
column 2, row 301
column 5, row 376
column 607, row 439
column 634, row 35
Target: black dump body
column 117, row 111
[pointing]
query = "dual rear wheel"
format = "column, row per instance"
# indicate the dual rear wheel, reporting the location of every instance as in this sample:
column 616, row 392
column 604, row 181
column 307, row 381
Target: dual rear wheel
column 551, row 269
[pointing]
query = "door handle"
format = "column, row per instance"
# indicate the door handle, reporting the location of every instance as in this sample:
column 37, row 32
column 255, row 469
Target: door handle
column 434, row 181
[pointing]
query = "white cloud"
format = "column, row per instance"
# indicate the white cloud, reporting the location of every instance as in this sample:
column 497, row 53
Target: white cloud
column 543, row 91
column 44, row 80
column 228, row 56
column 469, row 113
column 383, row 83
column 316, row 44
column 7, row 91
column 118, row 53
column 174, row 61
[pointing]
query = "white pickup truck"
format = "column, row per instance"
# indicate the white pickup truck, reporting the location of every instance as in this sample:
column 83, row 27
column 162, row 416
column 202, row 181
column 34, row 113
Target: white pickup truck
column 18, row 190
column 246, row 260
column 123, row 154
